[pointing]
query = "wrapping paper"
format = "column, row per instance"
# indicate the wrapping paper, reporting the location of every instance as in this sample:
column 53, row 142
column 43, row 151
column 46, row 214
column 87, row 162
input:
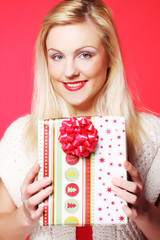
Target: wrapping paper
column 82, row 188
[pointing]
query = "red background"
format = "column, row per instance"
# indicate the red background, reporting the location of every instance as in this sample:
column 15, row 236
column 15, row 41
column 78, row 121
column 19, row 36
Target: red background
column 138, row 24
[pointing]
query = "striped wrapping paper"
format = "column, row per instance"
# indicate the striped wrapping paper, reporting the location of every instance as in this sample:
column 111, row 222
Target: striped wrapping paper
column 82, row 188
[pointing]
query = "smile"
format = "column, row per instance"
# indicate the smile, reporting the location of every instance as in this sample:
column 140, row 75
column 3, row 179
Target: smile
column 74, row 86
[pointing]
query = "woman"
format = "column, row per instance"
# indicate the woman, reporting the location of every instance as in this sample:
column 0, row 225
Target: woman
column 79, row 71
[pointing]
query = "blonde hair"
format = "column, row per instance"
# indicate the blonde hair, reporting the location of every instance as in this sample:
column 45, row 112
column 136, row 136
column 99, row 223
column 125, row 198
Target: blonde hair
column 114, row 98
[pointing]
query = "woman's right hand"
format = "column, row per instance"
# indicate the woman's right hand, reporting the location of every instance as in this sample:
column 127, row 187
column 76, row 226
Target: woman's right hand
column 33, row 192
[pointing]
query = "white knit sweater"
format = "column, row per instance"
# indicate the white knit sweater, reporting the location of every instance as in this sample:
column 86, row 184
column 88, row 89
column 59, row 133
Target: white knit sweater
column 14, row 166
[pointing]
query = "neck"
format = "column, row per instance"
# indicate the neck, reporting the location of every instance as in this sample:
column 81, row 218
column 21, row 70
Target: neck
column 79, row 111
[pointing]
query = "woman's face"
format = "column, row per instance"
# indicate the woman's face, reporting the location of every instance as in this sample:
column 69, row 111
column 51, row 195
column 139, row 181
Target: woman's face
column 77, row 64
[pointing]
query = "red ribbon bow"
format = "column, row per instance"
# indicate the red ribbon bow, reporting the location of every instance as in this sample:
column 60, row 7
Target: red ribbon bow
column 78, row 137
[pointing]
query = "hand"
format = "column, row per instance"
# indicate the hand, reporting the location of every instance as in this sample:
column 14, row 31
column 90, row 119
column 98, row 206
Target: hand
column 33, row 192
column 132, row 192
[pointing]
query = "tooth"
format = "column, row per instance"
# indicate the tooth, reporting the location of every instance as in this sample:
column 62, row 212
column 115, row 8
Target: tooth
column 74, row 84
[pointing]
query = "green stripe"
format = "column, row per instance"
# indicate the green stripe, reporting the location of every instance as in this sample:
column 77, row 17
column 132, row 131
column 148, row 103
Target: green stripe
column 55, row 175
column 58, row 207
column 51, row 170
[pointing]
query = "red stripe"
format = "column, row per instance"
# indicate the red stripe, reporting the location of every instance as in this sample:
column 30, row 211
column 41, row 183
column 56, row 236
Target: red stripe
column 88, row 188
column 46, row 168
column 88, row 191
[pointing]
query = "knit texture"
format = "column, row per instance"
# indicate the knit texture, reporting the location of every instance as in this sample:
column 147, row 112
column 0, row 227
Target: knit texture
column 14, row 165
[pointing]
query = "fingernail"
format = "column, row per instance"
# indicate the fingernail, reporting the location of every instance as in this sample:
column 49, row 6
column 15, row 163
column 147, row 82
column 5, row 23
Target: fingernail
column 47, row 180
column 37, row 163
column 126, row 163
column 50, row 190
column 41, row 208
column 113, row 180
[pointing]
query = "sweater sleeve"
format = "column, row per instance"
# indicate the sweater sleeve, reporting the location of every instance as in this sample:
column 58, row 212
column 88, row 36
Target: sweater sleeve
column 152, row 181
column 152, row 190
column 14, row 164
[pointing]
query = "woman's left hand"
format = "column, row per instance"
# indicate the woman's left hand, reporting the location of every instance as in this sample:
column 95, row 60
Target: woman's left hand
column 132, row 192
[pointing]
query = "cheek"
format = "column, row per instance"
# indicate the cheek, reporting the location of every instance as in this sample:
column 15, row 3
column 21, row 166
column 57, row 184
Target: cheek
column 55, row 70
column 94, row 69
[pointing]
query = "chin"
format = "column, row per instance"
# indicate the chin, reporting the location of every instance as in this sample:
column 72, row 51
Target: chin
column 76, row 103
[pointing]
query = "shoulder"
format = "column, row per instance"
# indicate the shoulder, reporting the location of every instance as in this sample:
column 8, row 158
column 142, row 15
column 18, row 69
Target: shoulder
column 151, row 136
column 17, row 126
column 151, row 126
column 12, row 142
column 151, row 120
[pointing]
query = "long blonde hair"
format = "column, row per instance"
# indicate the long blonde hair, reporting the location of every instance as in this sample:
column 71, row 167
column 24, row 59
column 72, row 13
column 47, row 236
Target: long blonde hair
column 114, row 98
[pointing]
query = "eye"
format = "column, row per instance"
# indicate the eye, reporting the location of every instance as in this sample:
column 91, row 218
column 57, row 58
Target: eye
column 85, row 55
column 56, row 57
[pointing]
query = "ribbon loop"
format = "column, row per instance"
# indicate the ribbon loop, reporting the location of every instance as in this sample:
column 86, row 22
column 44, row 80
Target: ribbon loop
column 78, row 137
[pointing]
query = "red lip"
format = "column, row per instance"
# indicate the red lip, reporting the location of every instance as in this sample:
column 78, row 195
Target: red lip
column 74, row 88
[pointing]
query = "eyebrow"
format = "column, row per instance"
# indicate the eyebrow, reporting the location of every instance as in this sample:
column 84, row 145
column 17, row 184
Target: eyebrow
column 77, row 50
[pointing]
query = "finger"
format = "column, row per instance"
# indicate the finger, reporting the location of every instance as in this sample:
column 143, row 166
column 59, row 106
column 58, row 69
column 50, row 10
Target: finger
column 30, row 177
column 133, row 172
column 36, row 178
column 126, row 185
column 36, row 214
column 39, row 197
column 131, row 213
column 126, row 196
column 37, row 186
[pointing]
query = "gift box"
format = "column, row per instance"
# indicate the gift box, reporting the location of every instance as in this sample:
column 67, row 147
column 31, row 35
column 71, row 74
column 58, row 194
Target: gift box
column 82, row 188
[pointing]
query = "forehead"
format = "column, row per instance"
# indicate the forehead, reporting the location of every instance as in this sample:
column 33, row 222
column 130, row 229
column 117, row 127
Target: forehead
column 74, row 36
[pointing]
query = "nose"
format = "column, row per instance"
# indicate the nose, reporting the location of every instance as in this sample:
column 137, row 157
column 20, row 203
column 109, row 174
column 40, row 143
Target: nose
column 71, row 69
